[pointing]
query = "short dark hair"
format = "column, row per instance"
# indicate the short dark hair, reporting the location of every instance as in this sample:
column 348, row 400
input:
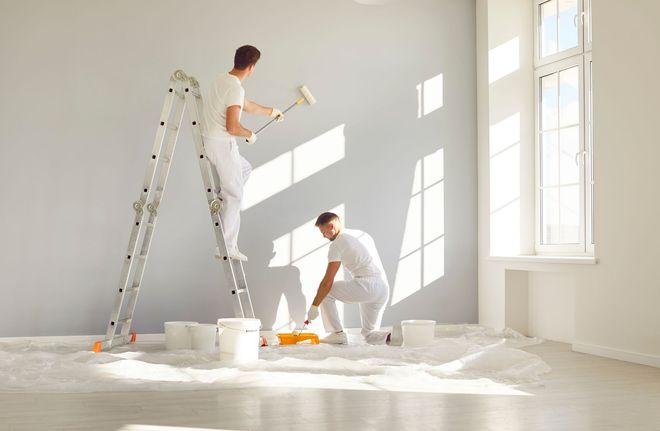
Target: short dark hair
column 246, row 56
column 326, row 218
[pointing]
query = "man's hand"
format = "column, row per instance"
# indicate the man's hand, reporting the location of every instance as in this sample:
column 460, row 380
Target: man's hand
column 252, row 139
column 277, row 114
column 312, row 313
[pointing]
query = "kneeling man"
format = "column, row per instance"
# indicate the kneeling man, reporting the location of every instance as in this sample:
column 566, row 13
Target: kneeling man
column 368, row 286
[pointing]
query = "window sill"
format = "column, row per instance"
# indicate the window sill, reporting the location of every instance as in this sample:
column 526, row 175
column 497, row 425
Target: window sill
column 573, row 260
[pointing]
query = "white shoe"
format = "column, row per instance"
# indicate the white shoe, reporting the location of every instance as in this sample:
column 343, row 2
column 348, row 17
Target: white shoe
column 335, row 338
column 396, row 336
column 237, row 255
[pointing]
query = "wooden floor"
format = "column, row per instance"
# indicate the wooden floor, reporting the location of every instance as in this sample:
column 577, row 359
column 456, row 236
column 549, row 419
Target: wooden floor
column 583, row 392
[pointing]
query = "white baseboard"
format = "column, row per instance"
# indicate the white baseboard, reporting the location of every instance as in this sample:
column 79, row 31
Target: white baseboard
column 141, row 339
column 622, row 355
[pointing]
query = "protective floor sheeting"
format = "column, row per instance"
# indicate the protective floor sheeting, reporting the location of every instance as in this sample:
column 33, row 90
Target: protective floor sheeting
column 462, row 359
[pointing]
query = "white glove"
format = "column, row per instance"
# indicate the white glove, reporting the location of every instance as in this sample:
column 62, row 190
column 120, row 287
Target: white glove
column 277, row 114
column 312, row 313
column 252, row 139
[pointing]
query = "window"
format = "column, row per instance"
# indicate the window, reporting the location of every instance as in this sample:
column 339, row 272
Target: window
column 564, row 141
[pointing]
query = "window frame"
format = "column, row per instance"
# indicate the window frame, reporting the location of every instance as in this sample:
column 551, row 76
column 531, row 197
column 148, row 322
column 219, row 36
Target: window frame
column 578, row 50
column 589, row 152
column 560, row 249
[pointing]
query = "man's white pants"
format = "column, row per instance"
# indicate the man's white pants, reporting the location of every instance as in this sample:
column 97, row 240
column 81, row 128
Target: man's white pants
column 371, row 293
column 231, row 173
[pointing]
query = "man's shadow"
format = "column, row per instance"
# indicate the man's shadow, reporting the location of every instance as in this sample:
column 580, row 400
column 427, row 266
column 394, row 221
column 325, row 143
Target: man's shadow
column 268, row 285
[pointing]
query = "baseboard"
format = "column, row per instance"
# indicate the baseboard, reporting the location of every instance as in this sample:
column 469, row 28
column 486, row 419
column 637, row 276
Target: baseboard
column 622, row 355
column 74, row 339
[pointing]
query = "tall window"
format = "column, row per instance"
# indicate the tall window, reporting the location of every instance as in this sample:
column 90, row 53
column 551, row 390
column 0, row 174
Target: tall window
column 564, row 127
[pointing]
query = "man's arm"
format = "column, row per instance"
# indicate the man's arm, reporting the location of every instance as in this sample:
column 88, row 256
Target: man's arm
column 255, row 108
column 234, row 126
column 326, row 283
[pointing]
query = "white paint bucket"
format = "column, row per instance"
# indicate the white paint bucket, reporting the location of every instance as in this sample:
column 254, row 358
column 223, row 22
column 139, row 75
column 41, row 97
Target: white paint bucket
column 239, row 339
column 203, row 336
column 177, row 335
column 417, row 333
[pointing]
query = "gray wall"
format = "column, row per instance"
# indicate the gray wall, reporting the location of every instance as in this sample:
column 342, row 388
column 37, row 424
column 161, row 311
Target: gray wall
column 83, row 85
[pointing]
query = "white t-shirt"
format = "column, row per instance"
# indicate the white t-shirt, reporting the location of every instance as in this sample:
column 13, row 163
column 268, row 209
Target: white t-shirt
column 225, row 91
column 356, row 250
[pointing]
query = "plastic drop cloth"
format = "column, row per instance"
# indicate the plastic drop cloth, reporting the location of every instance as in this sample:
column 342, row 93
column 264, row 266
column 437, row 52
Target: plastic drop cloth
column 462, row 359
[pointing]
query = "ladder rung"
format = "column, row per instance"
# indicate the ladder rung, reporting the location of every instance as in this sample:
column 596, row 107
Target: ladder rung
column 165, row 159
column 235, row 291
column 124, row 321
column 172, row 126
column 142, row 256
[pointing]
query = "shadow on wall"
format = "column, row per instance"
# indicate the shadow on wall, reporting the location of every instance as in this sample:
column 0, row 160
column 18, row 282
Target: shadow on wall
column 281, row 300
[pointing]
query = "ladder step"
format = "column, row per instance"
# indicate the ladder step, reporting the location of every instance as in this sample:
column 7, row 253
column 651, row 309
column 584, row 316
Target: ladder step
column 239, row 291
column 172, row 126
column 124, row 320
column 165, row 159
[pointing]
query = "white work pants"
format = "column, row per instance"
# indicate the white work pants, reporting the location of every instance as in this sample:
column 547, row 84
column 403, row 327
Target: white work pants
column 231, row 173
column 371, row 293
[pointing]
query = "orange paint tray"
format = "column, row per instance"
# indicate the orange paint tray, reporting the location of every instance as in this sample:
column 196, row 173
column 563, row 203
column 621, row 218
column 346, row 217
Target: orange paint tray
column 289, row 338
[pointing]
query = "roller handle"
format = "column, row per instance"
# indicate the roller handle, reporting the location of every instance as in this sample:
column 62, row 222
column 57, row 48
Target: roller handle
column 297, row 102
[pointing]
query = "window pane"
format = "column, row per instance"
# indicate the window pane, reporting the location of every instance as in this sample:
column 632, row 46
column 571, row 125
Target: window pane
column 569, row 164
column 569, row 215
column 548, row 37
column 568, row 24
column 550, row 216
column 550, row 159
column 549, row 101
column 569, row 100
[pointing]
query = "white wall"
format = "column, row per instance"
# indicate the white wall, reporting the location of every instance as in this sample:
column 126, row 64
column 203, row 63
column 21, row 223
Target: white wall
column 617, row 303
column 505, row 145
column 83, row 84
column 609, row 308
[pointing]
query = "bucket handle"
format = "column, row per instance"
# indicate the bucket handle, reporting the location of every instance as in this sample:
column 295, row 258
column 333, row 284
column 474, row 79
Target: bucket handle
column 220, row 325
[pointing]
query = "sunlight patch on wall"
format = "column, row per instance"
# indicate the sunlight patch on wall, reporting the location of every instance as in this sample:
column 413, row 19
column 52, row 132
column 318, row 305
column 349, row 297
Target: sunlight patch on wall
column 294, row 166
column 421, row 260
column 430, row 95
column 505, row 186
column 503, row 60
column 319, row 153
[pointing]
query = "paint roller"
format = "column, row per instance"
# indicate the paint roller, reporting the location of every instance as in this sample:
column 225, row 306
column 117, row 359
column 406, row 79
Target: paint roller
column 306, row 96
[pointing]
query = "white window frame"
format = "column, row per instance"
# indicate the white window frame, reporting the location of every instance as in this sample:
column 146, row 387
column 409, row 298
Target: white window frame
column 559, row 249
column 589, row 143
column 579, row 49
column 586, row 22
column 579, row 56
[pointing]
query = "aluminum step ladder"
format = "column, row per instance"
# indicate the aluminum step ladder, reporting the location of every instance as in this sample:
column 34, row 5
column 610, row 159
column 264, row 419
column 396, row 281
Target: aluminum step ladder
column 183, row 91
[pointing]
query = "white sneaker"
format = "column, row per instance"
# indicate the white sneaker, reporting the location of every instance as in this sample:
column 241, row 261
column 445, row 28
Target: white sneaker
column 237, row 255
column 335, row 338
column 396, row 336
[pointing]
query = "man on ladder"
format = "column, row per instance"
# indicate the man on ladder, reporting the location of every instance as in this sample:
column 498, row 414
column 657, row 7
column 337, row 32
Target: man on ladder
column 221, row 126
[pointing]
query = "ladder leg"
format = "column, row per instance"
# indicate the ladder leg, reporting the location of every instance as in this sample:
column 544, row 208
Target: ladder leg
column 142, row 231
